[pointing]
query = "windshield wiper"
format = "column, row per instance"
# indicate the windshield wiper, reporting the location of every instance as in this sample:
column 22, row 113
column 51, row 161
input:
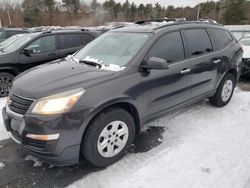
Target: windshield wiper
column 92, row 63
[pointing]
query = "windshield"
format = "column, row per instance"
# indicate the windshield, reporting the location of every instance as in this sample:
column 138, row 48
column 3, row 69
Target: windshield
column 113, row 48
column 245, row 41
column 10, row 40
column 17, row 43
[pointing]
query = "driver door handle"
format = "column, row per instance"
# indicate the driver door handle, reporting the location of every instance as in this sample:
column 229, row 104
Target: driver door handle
column 185, row 71
column 217, row 61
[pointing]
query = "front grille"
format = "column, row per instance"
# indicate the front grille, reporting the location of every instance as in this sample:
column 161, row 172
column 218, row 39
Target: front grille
column 19, row 104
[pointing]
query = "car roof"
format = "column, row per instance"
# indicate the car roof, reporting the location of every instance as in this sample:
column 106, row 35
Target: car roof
column 157, row 27
column 66, row 31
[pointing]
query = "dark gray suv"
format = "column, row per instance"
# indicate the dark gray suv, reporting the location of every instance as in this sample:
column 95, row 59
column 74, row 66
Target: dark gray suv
column 38, row 48
column 94, row 104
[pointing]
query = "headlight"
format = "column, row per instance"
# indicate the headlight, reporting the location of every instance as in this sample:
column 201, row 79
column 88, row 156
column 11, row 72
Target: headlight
column 59, row 103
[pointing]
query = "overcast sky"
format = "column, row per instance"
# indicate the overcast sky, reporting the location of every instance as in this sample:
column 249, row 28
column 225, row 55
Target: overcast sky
column 166, row 2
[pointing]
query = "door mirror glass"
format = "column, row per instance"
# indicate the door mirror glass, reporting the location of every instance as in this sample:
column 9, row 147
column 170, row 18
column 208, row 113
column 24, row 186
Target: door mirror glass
column 27, row 51
column 156, row 63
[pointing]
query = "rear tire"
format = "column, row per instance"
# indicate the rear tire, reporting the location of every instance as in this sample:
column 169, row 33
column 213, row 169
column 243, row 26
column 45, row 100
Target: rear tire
column 109, row 136
column 224, row 92
column 6, row 80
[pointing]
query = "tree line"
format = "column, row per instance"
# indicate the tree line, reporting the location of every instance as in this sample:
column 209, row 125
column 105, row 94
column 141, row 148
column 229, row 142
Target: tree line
column 30, row 13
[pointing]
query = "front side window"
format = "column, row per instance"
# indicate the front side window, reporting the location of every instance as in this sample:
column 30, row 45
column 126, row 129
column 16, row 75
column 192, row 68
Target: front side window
column 43, row 44
column 197, row 41
column 221, row 38
column 114, row 48
column 169, row 47
column 69, row 41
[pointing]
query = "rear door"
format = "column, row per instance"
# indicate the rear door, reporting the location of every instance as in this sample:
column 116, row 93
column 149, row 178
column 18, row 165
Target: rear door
column 163, row 89
column 44, row 50
column 202, row 60
column 69, row 43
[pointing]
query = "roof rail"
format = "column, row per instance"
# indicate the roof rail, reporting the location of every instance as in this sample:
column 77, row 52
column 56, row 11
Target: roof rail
column 46, row 32
column 142, row 22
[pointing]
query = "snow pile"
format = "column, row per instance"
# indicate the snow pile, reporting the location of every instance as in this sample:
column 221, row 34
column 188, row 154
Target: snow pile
column 203, row 146
column 3, row 133
column 2, row 165
column 36, row 161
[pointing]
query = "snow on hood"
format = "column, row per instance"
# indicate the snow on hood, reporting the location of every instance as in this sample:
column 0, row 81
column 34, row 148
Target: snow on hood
column 113, row 67
column 100, row 65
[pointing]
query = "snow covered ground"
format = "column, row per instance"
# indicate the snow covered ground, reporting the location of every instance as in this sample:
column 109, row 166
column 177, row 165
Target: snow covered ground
column 202, row 147
column 3, row 133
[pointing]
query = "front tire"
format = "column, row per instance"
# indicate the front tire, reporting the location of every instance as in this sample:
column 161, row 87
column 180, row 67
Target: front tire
column 6, row 80
column 224, row 92
column 109, row 136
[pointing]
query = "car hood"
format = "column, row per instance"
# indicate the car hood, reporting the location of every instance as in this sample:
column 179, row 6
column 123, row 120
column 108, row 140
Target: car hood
column 57, row 77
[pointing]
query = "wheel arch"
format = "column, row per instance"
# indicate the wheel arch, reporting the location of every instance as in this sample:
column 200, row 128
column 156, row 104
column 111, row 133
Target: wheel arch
column 232, row 71
column 9, row 70
column 124, row 104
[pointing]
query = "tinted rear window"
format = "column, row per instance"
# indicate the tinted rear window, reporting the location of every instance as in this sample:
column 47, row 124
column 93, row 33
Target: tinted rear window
column 86, row 38
column 198, row 42
column 168, row 47
column 221, row 38
column 69, row 41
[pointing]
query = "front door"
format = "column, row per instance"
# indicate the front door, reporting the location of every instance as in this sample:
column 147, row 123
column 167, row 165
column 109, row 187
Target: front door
column 164, row 89
column 44, row 50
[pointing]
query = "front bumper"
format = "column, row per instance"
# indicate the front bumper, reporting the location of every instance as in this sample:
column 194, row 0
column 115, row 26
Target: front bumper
column 245, row 69
column 63, row 151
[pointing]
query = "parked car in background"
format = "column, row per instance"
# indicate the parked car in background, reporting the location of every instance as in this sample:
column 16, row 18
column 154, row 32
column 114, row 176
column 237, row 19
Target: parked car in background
column 10, row 40
column 8, row 32
column 37, row 48
column 93, row 104
column 245, row 42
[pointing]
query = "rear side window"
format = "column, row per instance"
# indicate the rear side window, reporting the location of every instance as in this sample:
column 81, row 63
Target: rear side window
column 69, row 41
column 197, row 41
column 86, row 39
column 168, row 47
column 43, row 44
column 221, row 38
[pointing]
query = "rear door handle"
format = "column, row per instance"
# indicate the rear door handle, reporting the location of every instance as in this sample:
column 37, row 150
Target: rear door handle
column 217, row 61
column 185, row 71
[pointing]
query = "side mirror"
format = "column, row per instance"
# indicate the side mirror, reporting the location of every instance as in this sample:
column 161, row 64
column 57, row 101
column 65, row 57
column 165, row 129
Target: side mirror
column 155, row 63
column 27, row 52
